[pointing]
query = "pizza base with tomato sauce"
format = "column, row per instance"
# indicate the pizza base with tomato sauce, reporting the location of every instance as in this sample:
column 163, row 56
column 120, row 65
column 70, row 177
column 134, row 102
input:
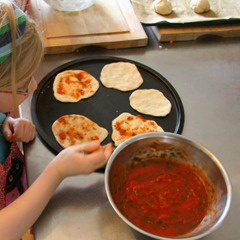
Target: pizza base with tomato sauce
column 74, row 129
column 127, row 125
column 74, row 85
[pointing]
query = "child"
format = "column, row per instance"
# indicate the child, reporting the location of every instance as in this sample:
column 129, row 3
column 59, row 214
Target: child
column 20, row 54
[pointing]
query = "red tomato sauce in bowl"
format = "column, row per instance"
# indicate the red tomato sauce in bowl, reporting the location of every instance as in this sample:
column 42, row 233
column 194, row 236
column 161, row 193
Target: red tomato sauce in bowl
column 163, row 197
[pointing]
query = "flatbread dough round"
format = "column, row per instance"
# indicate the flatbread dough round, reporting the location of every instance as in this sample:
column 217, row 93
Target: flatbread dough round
column 150, row 102
column 123, row 76
column 74, row 85
column 75, row 129
column 127, row 125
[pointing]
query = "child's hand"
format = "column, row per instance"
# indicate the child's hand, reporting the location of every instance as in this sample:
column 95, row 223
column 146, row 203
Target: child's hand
column 82, row 159
column 18, row 129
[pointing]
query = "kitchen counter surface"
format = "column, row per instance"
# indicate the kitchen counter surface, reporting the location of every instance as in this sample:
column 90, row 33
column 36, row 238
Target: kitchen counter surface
column 206, row 75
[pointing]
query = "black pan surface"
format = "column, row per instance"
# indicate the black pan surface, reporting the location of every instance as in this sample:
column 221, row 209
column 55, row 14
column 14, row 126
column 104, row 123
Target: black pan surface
column 102, row 107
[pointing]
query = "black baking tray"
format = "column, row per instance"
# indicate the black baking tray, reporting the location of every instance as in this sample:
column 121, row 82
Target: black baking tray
column 102, row 107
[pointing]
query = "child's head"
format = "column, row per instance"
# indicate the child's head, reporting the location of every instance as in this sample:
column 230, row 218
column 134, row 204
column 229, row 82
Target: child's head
column 20, row 55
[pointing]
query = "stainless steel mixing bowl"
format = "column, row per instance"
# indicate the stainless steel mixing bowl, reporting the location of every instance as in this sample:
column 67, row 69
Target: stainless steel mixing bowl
column 195, row 154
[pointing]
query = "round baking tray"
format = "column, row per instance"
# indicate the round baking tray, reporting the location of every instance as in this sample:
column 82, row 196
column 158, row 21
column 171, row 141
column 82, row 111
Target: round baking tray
column 102, row 107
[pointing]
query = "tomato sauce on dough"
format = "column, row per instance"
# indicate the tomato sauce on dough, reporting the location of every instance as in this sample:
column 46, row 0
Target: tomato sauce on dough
column 83, row 84
column 127, row 125
column 163, row 197
column 78, row 131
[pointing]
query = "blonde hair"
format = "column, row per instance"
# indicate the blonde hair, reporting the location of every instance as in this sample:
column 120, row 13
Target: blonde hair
column 25, row 57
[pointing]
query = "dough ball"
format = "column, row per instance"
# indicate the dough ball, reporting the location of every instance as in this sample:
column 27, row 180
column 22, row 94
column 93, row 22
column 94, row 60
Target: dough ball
column 163, row 7
column 200, row 6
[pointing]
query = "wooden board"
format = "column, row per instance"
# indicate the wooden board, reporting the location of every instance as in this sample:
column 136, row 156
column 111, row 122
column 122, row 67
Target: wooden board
column 109, row 24
column 88, row 22
column 166, row 34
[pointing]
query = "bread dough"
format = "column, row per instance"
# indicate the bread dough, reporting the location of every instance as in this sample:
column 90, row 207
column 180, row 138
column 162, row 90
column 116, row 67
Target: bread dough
column 74, row 85
column 150, row 102
column 123, row 76
column 163, row 7
column 200, row 6
column 74, row 129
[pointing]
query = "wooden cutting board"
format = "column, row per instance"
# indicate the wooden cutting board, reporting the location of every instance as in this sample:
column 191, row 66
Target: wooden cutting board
column 186, row 33
column 110, row 24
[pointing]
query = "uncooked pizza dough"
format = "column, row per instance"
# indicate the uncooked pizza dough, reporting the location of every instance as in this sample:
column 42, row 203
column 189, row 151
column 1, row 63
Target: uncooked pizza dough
column 74, row 85
column 150, row 102
column 127, row 125
column 200, row 6
column 123, row 76
column 163, row 7
column 74, row 129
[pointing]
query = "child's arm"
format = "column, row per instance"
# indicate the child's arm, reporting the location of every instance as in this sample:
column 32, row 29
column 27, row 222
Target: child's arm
column 23, row 212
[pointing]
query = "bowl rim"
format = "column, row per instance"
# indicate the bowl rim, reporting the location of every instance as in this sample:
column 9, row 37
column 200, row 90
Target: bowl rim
column 58, row 6
column 182, row 138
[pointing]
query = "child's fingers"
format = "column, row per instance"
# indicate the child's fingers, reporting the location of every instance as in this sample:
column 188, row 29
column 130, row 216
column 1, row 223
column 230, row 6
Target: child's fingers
column 7, row 128
column 23, row 132
column 89, row 147
column 108, row 150
column 18, row 130
column 99, row 158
